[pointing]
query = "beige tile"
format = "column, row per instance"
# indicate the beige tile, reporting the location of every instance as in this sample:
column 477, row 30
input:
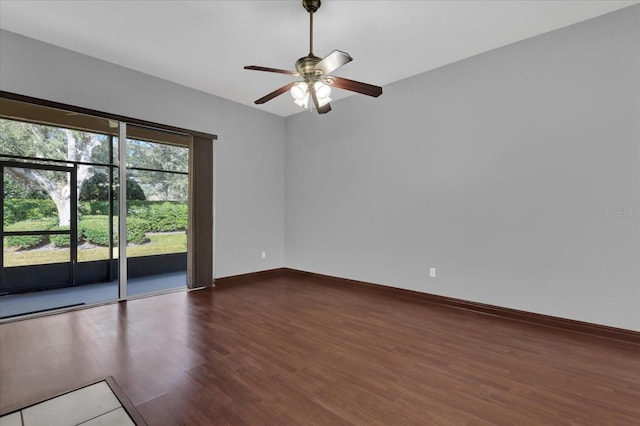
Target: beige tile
column 73, row 408
column 117, row 417
column 12, row 419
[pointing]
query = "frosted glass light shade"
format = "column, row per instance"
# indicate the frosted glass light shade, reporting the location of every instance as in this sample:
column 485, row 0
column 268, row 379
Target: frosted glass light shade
column 322, row 93
column 299, row 91
column 322, row 90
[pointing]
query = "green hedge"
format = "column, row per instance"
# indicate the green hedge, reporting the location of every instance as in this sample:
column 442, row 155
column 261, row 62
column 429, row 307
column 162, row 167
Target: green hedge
column 93, row 226
column 95, row 208
column 161, row 216
column 60, row 240
column 18, row 210
column 29, row 241
column 135, row 230
column 24, row 242
column 95, row 229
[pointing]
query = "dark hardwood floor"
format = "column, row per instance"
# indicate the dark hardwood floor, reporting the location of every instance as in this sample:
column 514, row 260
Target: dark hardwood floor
column 292, row 350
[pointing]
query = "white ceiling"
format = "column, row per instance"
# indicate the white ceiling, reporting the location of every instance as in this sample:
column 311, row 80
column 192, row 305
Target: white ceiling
column 205, row 44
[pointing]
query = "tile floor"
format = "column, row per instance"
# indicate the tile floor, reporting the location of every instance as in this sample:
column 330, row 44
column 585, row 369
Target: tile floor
column 94, row 405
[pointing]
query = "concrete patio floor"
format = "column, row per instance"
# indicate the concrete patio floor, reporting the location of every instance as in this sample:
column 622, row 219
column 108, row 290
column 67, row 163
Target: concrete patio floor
column 14, row 305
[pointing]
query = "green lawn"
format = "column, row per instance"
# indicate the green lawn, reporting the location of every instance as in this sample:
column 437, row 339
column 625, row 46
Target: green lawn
column 162, row 243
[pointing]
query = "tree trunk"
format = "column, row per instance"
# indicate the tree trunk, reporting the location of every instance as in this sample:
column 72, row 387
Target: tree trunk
column 61, row 196
column 63, row 205
column 91, row 141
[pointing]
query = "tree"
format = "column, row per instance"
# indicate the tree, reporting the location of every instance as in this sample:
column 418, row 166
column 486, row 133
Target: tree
column 161, row 184
column 15, row 189
column 96, row 188
column 45, row 142
column 48, row 142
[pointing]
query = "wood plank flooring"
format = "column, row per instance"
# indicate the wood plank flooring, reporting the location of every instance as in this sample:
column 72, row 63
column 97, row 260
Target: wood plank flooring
column 296, row 351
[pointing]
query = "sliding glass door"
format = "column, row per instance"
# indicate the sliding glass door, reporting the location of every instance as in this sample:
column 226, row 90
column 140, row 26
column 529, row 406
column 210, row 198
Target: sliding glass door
column 64, row 191
column 57, row 189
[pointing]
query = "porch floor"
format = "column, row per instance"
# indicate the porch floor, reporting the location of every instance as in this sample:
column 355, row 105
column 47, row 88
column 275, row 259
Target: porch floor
column 39, row 301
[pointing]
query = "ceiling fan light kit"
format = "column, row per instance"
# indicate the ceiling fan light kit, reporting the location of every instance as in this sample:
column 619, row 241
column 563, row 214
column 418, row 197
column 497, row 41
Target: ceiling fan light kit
column 315, row 73
column 300, row 93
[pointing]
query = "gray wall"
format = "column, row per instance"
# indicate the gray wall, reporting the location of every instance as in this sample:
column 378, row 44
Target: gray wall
column 249, row 154
column 506, row 171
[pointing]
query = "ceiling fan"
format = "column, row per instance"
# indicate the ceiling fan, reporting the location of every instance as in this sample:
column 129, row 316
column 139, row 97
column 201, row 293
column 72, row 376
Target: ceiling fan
column 315, row 72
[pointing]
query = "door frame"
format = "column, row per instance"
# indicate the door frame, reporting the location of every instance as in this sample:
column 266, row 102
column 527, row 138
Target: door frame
column 73, row 220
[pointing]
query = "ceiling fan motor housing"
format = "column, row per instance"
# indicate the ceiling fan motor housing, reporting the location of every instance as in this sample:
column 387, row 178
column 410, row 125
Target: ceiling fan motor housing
column 306, row 68
column 312, row 6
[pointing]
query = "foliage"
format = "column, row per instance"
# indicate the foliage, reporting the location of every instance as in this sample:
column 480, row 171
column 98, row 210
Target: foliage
column 48, row 142
column 62, row 240
column 158, row 156
column 161, row 216
column 158, row 244
column 134, row 191
column 162, row 186
column 95, row 208
column 95, row 229
column 17, row 210
column 164, row 158
column 14, row 189
column 144, row 216
column 24, row 242
column 96, row 188
column 55, row 143
column 136, row 229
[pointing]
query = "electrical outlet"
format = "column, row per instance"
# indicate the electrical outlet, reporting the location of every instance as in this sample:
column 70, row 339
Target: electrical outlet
column 432, row 272
column 263, row 255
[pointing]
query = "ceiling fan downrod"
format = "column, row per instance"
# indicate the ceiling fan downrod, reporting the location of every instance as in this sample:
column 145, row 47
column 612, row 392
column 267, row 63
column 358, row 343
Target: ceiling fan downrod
column 311, row 6
column 305, row 66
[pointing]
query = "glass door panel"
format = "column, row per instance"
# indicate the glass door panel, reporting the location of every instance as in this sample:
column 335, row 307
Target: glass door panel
column 37, row 225
column 36, row 231
column 98, row 234
column 55, row 230
column 157, row 210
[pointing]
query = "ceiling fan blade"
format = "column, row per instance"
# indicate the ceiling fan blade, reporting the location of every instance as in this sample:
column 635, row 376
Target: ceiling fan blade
column 355, row 86
column 275, row 93
column 321, row 109
column 267, row 69
column 333, row 61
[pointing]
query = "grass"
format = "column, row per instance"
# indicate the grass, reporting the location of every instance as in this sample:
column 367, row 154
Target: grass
column 161, row 243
